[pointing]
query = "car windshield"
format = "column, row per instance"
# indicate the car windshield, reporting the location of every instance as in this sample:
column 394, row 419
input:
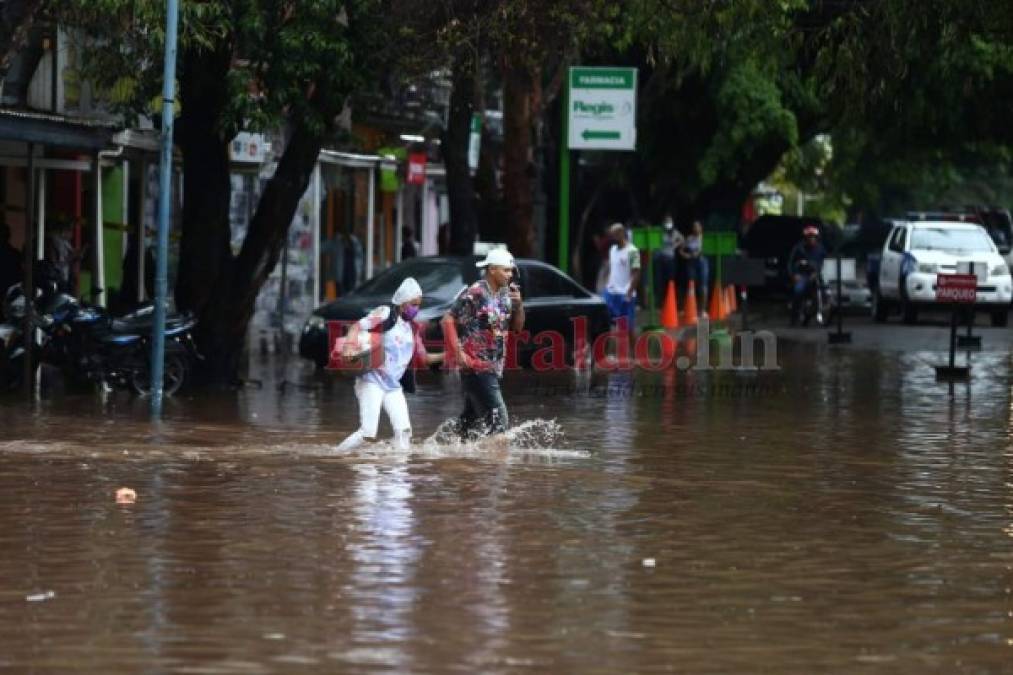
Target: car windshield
column 440, row 280
column 952, row 240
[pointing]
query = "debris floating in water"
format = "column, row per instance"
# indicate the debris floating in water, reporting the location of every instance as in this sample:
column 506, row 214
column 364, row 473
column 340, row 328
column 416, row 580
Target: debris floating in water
column 125, row 496
column 41, row 597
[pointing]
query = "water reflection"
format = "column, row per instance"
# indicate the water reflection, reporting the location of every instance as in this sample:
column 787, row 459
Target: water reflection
column 847, row 510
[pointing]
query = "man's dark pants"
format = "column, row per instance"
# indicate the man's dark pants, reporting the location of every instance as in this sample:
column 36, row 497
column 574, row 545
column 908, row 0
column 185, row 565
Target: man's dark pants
column 484, row 410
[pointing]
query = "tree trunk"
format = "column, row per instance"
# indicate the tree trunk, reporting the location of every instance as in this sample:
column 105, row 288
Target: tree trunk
column 205, row 256
column 233, row 303
column 456, row 138
column 518, row 85
column 205, row 253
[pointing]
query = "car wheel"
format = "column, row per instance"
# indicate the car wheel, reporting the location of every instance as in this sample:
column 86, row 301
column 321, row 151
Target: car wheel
column 879, row 307
column 1000, row 318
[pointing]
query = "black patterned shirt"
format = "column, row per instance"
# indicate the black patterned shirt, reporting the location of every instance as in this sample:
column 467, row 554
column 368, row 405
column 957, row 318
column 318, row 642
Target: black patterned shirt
column 483, row 320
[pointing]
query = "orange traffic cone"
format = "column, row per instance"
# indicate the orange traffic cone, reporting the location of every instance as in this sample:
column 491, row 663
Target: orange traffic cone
column 670, row 310
column 717, row 308
column 691, row 304
column 731, row 305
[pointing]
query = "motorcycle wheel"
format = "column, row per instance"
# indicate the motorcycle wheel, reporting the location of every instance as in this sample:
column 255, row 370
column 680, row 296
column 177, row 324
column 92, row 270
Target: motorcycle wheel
column 173, row 376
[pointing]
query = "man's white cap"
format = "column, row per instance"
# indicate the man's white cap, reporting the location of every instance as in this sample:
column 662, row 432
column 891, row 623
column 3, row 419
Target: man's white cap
column 497, row 256
column 407, row 291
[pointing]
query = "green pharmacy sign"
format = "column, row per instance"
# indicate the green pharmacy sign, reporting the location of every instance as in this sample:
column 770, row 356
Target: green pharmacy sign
column 602, row 113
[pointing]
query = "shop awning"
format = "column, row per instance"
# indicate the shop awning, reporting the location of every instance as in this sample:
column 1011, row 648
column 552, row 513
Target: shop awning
column 55, row 130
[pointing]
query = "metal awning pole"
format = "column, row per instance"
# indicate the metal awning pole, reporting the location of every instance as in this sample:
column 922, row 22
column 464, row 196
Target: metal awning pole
column 164, row 205
column 141, row 234
column 316, row 233
column 370, row 222
column 399, row 227
column 28, row 285
column 99, row 258
column 40, row 225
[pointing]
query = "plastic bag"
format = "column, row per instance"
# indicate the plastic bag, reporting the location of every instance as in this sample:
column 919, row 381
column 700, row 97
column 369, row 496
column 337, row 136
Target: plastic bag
column 367, row 354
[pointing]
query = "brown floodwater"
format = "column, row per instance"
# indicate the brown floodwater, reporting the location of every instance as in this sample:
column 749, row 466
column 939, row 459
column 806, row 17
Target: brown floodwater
column 846, row 513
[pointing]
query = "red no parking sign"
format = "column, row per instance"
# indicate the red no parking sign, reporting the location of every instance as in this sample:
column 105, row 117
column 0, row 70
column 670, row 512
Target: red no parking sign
column 956, row 288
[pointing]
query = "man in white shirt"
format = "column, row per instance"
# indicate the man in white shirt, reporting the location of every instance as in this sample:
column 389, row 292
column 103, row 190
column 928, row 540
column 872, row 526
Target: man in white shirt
column 624, row 276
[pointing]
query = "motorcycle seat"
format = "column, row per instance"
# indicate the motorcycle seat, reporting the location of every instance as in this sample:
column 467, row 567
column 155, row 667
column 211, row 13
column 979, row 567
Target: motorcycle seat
column 142, row 324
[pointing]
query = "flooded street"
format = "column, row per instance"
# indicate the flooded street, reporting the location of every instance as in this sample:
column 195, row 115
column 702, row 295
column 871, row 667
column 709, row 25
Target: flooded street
column 844, row 513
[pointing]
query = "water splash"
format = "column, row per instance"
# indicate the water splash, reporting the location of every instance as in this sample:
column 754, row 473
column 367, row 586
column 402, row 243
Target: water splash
column 528, row 441
column 532, row 438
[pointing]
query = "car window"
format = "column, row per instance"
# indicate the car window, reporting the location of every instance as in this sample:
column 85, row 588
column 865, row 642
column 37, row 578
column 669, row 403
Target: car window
column 538, row 282
column 951, row 240
column 897, row 240
column 545, row 282
column 571, row 288
column 440, row 280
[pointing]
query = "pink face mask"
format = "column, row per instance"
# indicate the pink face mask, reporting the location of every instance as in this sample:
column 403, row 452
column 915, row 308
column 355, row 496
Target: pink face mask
column 409, row 312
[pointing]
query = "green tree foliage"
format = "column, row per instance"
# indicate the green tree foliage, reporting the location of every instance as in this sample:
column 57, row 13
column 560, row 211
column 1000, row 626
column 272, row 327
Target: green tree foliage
column 728, row 88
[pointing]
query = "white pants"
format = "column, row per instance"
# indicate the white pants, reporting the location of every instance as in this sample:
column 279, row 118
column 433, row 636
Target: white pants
column 371, row 398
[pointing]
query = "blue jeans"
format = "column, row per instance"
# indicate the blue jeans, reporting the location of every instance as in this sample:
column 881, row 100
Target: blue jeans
column 698, row 271
column 621, row 307
column 485, row 412
column 664, row 271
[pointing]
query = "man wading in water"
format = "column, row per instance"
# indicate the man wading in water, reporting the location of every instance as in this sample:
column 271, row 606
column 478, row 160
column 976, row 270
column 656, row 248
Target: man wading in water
column 476, row 328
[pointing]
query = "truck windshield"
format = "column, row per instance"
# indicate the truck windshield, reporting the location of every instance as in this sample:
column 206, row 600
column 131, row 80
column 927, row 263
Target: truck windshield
column 951, row 240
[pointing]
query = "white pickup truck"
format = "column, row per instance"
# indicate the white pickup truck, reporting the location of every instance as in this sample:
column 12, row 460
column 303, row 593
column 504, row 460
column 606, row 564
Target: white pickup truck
column 915, row 252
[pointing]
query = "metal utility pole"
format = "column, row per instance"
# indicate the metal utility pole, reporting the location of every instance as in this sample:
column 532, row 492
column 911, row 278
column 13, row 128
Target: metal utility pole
column 164, row 206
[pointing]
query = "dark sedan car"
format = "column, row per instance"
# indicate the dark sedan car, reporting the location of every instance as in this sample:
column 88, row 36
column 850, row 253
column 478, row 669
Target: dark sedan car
column 551, row 301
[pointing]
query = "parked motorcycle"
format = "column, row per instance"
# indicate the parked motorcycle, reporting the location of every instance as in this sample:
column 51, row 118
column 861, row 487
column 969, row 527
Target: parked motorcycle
column 90, row 346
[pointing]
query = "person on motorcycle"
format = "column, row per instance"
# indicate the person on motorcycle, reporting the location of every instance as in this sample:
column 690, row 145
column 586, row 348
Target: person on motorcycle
column 804, row 266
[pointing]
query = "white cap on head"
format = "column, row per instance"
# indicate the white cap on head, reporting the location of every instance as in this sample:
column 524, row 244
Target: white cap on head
column 407, row 291
column 497, row 256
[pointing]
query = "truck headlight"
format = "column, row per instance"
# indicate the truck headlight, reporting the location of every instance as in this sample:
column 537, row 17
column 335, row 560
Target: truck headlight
column 928, row 268
column 999, row 271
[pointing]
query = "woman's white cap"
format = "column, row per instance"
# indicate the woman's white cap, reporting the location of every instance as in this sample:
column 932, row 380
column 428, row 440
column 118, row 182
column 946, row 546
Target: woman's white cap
column 407, row 291
column 497, row 256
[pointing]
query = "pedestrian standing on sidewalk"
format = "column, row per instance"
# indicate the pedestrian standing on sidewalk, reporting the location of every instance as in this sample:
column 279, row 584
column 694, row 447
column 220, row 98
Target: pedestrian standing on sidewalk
column 664, row 259
column 624, row 276
column 476, row 329
column 697, row 269
column 385, row 387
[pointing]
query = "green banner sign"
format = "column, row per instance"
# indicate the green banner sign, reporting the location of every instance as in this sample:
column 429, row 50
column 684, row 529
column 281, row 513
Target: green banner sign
column 602, row 78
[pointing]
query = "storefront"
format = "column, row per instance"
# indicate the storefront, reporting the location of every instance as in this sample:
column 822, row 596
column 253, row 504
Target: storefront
column 50, row 172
